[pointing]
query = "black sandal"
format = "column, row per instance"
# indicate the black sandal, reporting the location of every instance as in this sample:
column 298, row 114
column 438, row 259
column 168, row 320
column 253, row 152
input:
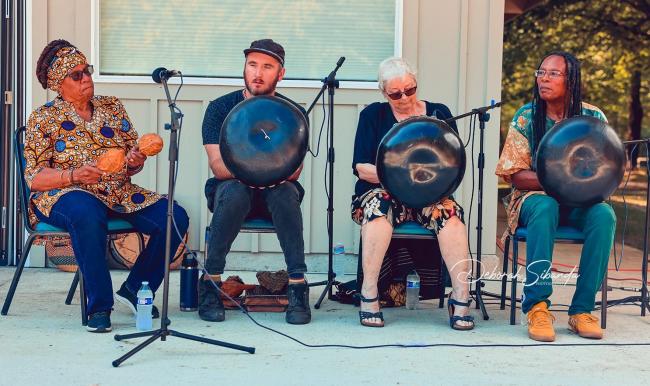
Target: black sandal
column 364, row 316
column 451, row 303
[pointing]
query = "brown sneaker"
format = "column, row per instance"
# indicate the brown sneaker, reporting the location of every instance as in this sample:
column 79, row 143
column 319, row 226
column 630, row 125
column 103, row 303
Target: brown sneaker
column 540, row 323
column 585, row 325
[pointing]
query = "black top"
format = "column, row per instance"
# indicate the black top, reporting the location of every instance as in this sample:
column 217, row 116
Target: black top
column 374, row 122
column 218, row 110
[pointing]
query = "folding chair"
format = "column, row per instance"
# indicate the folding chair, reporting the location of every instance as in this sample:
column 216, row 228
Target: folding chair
column 41, row 229
column 564, row 234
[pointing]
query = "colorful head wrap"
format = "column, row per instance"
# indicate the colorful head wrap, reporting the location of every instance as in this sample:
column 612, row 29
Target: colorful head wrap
column 63, row 61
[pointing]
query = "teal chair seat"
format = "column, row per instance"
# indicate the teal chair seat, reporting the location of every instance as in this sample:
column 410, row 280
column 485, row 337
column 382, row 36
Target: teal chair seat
column 412, row 229
column 257, row 225
column 564, row 233
column 114, row 226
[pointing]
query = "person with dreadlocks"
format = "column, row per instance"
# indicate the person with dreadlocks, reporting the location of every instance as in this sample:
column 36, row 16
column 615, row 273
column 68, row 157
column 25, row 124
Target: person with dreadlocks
column 556, row 96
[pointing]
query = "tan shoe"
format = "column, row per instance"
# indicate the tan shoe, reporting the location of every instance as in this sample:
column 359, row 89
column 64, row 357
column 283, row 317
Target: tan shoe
column 540, row 323
column 585, row 325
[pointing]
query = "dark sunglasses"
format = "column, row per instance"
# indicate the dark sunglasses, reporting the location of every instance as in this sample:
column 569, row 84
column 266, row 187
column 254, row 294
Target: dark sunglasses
column 398, row 95
column 78, row 75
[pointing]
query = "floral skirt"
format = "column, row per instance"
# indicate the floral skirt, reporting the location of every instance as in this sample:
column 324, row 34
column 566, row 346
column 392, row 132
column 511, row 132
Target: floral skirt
column 379, row 203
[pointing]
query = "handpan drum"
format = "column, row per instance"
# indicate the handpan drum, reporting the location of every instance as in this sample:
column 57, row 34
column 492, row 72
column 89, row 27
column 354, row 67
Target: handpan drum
column 420, row 161
column 264, row 140
column 580, row 161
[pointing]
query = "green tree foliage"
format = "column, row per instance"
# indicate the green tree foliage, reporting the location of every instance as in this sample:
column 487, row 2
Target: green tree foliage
column 610, row 38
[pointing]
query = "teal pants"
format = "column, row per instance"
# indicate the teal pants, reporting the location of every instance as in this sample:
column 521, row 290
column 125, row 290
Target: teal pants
column 541, row 214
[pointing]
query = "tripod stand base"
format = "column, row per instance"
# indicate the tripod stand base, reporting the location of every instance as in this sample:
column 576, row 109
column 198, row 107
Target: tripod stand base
column 478, row 293
column 327, row 290
column 162, row 334
column 630, row 299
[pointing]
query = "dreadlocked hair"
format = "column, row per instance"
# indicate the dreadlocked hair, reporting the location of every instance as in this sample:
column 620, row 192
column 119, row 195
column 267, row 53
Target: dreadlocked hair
column 572, row 97
column 45, row 60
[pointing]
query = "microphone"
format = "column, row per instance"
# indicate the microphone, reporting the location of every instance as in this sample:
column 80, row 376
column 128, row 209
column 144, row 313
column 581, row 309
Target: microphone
column 332, row 75
column 161, row 73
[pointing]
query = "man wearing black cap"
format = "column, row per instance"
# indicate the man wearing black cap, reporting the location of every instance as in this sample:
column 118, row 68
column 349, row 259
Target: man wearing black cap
column 231, row 201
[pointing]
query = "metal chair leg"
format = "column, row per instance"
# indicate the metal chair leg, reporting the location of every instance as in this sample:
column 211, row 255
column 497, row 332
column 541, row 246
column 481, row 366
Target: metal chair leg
column 17, row 274
column 603, row 303
column 82, row 299
column 73, row 288
column 513, row 282
column 504, row 272
column 443, row 278
column 357, row 302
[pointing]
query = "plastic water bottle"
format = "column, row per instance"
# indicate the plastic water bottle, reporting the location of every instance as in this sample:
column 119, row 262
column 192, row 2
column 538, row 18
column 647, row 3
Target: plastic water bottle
column 412, row 290
column 338, row 263
column 144, row 318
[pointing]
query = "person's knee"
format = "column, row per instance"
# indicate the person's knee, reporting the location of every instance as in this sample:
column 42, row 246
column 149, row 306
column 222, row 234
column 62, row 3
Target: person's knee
column 544, row 209
column 602, row 213
column 232, row 194
column 82, row 210
column 181, row 218
column 284, row 196
column 285, row 191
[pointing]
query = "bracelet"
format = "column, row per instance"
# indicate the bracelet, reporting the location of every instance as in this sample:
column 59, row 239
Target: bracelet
column 61, row 175
column 134, row 169
column 71, row 176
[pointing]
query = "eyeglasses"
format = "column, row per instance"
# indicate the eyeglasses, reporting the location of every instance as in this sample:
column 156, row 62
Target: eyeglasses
column 553, row 74
column 78, row 75
column 398, row 95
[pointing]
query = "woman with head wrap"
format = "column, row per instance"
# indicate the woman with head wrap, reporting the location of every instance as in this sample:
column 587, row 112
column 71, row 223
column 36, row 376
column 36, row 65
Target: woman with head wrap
column 64, row 144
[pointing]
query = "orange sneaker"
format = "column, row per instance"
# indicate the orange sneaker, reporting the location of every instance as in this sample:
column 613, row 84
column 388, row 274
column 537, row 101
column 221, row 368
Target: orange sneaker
column 585, row 325
column 540, row 323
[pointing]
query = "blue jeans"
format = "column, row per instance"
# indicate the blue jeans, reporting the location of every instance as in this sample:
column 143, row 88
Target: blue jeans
column 86, row 217
column 234, row 202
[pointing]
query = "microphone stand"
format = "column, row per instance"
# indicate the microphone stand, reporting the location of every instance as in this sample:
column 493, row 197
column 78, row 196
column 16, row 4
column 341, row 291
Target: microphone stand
column 163, row 331
column 331, row 84
column 644, row 265
column 483, row 116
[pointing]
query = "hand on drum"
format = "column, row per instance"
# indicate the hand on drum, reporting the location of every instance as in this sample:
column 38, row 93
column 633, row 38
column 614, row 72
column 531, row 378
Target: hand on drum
column 134, row 158
column 526, row 180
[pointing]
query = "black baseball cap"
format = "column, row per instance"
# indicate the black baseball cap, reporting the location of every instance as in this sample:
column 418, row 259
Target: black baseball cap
column 268, row 47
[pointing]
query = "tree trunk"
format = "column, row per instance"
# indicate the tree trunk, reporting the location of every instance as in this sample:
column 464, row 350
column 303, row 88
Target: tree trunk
column 635, row 116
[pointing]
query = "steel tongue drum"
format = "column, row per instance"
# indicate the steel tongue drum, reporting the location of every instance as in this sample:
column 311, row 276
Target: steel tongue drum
column 580, row 161
column 264, row 140
column 420, row 160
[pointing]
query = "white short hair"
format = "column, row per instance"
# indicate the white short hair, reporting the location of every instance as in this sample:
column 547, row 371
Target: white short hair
column 392, row 68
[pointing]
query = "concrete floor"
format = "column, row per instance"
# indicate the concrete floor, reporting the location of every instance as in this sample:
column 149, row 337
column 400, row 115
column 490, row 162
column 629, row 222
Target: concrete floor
column 43, row 342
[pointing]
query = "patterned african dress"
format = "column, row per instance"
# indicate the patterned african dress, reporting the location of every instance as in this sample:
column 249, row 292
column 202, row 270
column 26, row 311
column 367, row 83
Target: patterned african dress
column 58, row 138
column 518, row 154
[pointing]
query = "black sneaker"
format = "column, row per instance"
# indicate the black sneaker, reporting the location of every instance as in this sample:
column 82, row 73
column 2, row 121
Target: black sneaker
column 99, row 322
column 298, row 311
column 210, row 305
column 129, row 299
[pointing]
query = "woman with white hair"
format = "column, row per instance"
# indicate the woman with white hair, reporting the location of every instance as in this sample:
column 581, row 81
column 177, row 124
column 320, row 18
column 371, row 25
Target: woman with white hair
column 378, row 212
